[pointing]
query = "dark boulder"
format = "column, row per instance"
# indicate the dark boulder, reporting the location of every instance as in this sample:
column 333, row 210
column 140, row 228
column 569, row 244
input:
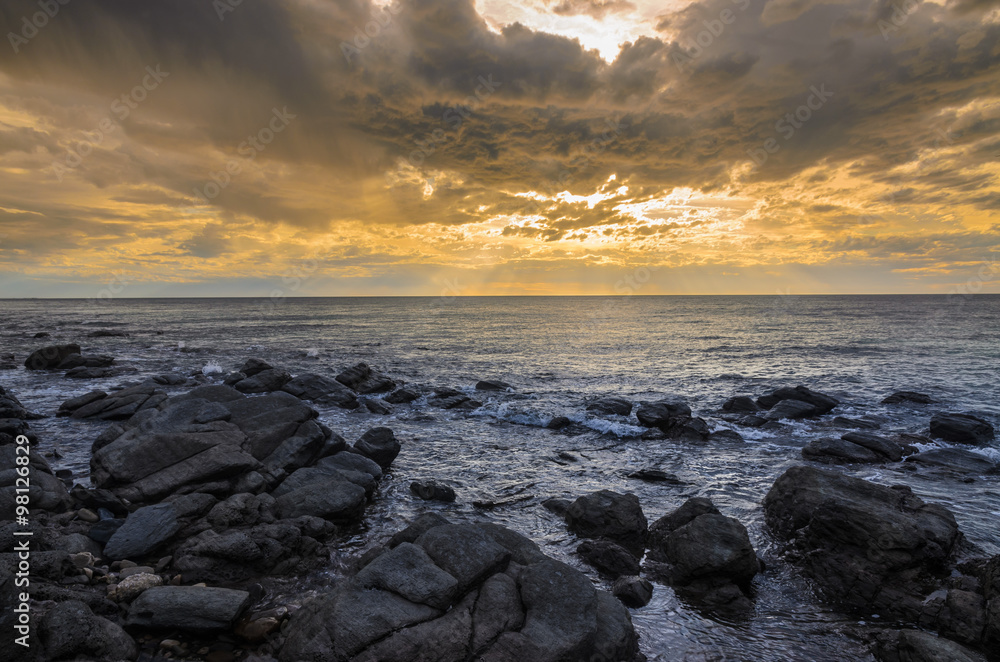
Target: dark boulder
column 71, row 631
column 380, row 445
column 143, row 532
column 452, row 594
column 321, row 390
column 609, row 558
column 196, row 609
column 920, row 646
column 48, row 358
column 114, row 406
column 265, row 381
column 908, row 397
column 492, row 385
column 606, row 514
column 364, row 380
column 790, row 409
column 432, row 490
column 887, row 448
column 740, row 404
column 958, row 460
column 710, row 558
column 88, row 373
column 822, row 402
column 333, row 500
column 868, row 547
column 962, row 429
column 10, row 406
column 634, row 592
column 254, row 366
column 662, row 414
column 79, row 361
column 401, row 396
column 831, row 450
column 610, row 406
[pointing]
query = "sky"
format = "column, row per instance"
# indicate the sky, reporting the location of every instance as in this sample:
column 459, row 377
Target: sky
column 533, row 147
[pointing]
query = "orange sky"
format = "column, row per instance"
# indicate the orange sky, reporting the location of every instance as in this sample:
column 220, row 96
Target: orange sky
column 528, row 147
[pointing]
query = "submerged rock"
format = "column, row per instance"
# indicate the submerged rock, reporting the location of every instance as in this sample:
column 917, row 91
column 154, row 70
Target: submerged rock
column 920, row 646
column 790, row 409
column 610, row 406
column 741, row 404
column 609, row 558
column 908, row 396
column 492, row 385
column 432, row 490
column 462, row 592
column 962, row 429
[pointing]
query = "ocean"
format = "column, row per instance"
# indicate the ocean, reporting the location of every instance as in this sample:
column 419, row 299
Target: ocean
column 559, row 353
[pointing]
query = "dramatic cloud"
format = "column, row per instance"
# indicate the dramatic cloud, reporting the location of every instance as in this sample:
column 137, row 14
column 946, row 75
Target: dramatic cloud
column 737, row 145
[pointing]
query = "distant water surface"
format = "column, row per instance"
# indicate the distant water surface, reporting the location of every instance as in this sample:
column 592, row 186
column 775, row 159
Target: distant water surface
column 559, row 352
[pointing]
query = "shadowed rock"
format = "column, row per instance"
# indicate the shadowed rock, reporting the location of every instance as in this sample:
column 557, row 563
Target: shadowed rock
column 962, row 429
column 606, row 514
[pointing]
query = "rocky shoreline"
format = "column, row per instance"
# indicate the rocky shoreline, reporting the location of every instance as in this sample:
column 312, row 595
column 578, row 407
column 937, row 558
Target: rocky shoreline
column 198, row 498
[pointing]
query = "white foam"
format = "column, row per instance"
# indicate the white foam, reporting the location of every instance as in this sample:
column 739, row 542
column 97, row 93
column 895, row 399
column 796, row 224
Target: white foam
column 212, row 369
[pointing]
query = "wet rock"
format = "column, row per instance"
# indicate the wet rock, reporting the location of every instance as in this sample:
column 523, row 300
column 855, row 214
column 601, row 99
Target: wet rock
column 541, row 610
column 449, row 398
column 557, row 506
column 143, row 532
column 857, row 423
column 752, row 421
column 820, row 401
column 410, row 572
column 558, row 423
column 264, row 381
column 45, row 491
column 363, row 379
column 663, row 527
column 375, row 406
column 656, row 476
column 10, row 406
column 958, row 460
column 431, row 490
column 48, row 358
column 831, row 450
column 198, row 609
column 740, row 404
column 920, row 646
column 908, row 397
column 634, row 592
column 610, row 406
column 790, row 409
column 103, row 530
column 417, row 528
column 79, row 361
column 212, row 439
column 336, row 501
column 118, row 405
column 401, row 396
column 380, row 445
column 606, row 514
column 731, row 436
column 886, row 448
column 107, row 333
column 88, row 373
column 711, row 560
column 351, row 462
column 868, row 547
column 253, row 366
column 321, row 390
column 70, row 630
column 608, row 558
column 492, row 385
column 660, row 414
column 962, row 429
